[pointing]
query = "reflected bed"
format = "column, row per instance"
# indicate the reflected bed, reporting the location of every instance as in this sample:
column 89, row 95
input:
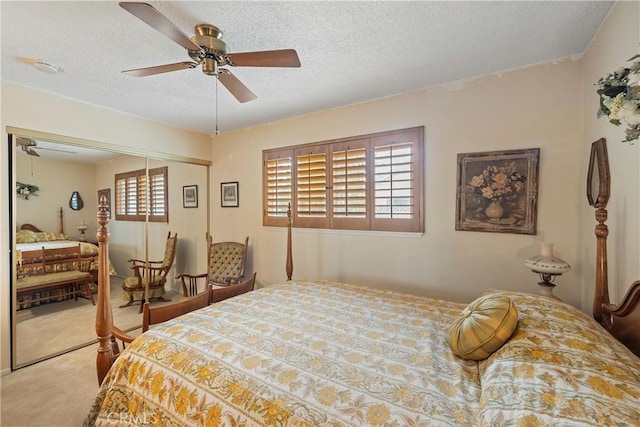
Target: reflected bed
column 30, row 238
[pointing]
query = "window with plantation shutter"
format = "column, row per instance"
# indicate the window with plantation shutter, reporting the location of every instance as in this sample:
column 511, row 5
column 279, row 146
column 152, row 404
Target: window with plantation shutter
column 135, row 199
column 370, row 182
column 349, row 185
column 311, row 186
column 278, row 186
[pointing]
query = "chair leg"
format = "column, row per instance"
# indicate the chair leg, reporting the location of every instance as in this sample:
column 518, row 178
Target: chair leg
column 89, row 293
column 128, row 302
column 141, row 304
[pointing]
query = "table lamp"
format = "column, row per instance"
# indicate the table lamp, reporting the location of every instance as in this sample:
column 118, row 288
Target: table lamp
column 548, row 267
column 82, row 228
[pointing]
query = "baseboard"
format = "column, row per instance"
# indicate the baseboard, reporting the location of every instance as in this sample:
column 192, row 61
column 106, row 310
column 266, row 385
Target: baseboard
column 5, row 372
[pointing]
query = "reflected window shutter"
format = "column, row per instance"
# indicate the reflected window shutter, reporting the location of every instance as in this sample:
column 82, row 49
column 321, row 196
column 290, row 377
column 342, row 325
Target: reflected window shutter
column 394, row 181
column 157, row 193
column 132, row 192
column 121, row 196
column 141, row 195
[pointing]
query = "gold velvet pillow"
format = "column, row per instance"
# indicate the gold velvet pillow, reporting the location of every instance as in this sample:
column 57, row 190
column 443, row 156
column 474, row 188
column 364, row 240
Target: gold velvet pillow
column 483, row 327
column 25, row 236
column 41, row 236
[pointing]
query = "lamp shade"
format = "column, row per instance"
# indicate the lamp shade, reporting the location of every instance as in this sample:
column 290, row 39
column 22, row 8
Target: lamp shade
column 546, row 262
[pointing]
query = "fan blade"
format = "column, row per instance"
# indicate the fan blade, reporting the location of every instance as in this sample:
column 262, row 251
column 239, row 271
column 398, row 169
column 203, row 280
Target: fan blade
column 159, row 69
column 235, row 86
column 265, row 58
column 149, row 15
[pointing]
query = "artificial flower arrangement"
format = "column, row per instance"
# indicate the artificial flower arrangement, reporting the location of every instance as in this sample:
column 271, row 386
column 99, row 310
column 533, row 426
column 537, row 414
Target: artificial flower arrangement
column 620, row 98
column 26, row 190
column 496, row 182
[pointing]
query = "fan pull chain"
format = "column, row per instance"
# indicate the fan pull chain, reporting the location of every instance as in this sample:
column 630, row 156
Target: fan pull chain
column 217, row 105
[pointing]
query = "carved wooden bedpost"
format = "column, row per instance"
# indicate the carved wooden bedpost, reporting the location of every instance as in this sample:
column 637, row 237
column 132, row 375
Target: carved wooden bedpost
column 104, row 315
column 289, row 255
column 602, row 279
column 60, row 221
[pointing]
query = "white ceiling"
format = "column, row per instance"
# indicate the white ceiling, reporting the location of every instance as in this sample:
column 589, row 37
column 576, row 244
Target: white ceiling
column 350, row 51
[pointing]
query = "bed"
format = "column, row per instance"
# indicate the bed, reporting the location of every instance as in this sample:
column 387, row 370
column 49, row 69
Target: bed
column 336, row 354
column 29, row 238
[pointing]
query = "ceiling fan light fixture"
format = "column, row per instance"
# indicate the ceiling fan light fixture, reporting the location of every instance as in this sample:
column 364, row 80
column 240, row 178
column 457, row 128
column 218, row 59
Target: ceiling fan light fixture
column 46, row 67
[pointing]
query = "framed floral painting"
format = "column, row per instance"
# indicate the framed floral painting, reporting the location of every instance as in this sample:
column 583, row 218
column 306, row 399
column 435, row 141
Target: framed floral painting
column 498, row 191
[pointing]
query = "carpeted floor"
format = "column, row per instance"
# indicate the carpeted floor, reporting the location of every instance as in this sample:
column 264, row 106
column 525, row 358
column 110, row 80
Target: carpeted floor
column 57, row 392
column 54, row 328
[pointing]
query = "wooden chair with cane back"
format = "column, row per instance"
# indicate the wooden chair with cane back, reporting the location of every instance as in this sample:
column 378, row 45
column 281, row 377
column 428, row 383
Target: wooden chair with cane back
column 152, row 273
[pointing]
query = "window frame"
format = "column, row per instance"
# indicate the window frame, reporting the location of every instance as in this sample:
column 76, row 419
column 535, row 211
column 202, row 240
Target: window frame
column 287, row 160
column 141, row 179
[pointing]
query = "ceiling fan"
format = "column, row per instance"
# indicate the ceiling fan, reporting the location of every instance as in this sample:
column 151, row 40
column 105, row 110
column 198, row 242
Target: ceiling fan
column 28, row 145
column 206, row 48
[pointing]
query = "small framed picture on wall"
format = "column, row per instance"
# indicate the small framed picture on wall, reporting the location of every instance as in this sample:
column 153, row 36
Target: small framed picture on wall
column 229, row 196
column 190, row 196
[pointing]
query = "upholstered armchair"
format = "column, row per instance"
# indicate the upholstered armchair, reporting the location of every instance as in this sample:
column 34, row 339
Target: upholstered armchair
column 153, row 274
column 226, row 266
column 227, row 262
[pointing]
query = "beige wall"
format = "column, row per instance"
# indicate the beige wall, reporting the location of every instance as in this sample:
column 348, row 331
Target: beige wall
column 539, row 106
column 127, row 239
column 43, row 210
column 615, row 43
column 26, row 108
column 551, row 106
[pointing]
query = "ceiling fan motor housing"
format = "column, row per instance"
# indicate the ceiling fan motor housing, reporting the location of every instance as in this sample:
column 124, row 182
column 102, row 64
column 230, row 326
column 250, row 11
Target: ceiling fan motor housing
column 209, row 38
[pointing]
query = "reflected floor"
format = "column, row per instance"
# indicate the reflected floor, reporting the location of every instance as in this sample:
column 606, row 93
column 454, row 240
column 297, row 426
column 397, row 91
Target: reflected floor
column 50, row 329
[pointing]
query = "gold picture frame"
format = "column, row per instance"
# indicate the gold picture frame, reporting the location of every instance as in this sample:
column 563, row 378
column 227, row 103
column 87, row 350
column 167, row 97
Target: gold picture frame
column 498, row 191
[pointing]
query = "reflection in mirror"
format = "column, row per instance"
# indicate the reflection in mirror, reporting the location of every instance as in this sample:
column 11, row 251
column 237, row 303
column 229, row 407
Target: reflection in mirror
column 46, row 322
column 75, row 202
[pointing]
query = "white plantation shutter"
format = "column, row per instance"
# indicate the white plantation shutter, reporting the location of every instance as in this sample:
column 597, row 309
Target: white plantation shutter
column 349, row 185
column 277, row 186
column 397, row 194
column 311, row 186
column 132, row 192
column 393, row 169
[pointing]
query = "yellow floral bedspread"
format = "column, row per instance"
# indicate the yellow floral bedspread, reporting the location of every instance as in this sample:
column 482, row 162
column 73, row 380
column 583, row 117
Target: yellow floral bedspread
column 328, row 354
column 559, row 368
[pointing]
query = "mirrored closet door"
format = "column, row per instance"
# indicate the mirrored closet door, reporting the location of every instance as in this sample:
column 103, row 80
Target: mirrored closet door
column 58, row 186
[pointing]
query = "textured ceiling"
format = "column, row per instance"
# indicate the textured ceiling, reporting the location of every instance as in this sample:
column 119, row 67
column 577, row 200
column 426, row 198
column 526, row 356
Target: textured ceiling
column 350, row 51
